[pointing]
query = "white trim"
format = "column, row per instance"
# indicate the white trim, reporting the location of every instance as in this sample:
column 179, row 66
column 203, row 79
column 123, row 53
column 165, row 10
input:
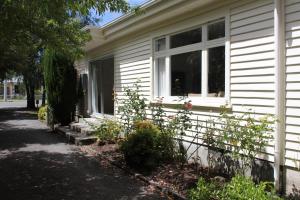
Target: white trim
column 280, row 47
column 202, row 46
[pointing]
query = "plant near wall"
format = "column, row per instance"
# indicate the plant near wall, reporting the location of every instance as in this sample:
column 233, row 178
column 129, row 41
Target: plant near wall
column 239, row 188
column 132, row 108
column 244, row 137
column 158, row 114
column 179, row 124
column 108, row 131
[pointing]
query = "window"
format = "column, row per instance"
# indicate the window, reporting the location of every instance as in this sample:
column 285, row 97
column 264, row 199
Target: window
column 186, row 74
column 160, row 44
column 191, row 63
column 186, row 38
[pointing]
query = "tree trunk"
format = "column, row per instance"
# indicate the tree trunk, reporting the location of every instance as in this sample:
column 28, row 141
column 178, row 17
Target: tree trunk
column 30, row 94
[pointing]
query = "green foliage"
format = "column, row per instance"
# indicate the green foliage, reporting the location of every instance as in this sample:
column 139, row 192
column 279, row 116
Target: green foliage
column 243, row 137
column 203, row 191
column 132, row 108
column 239, row 188
column 42, row 113
column 140, row 148
column 158, row 114
column 108, row 130
column 60, row 81
column 242, row 188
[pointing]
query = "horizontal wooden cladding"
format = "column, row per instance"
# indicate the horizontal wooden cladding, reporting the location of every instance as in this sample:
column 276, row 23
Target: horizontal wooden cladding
column 253, row 87
column 136, row 72
column 252, row 20
column 291, row 26
column 293, row 52
column 252, row 42
column 293, row 103
column 252, row 35
column 251, row 9
column 293, row 42
column 252, row 72
column 259, row 48
column 253, row 94
column 259, row 25
column 252, row 101
column 253, row 79
column 293, row 69
column 253, row 64
column 252, row 57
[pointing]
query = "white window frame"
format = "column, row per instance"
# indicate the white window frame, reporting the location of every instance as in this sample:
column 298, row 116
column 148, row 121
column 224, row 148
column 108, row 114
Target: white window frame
column 203, row 46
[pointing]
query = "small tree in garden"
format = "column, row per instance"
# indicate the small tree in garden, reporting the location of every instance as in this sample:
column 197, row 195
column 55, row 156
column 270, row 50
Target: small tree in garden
column 244, row 137
column 60, row 80
column 132, row 108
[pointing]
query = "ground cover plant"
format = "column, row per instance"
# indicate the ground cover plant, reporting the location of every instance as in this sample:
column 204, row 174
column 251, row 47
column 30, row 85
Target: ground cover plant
column 108, row 131
column 239, row 188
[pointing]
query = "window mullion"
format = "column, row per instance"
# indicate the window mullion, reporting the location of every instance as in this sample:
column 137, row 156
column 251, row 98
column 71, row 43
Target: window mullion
column 168, row 77
column 204, row 74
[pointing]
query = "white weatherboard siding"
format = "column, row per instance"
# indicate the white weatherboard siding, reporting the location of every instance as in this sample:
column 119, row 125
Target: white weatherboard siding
column 252, row 60
column 292, row 83
column 132, row 63
column 252, row 71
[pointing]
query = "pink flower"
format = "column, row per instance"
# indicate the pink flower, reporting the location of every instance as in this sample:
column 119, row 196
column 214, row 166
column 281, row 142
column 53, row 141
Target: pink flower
column 188, row 105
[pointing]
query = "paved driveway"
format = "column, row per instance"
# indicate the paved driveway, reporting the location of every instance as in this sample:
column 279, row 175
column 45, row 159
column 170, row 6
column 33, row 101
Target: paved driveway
column 35, row 164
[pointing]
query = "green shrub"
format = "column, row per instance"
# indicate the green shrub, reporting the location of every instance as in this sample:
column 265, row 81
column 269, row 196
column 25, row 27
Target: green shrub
column 242, row 188
column 132, row 108
column 42, row 113
column 140, row 147
column 108, row 130
column 239, row 188
column 203, row 191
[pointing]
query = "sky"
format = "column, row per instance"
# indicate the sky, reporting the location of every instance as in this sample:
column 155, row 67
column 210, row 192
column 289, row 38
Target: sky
column 110, row 16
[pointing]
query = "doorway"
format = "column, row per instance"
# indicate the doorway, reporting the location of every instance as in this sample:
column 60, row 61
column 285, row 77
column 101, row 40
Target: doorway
column 102, row 85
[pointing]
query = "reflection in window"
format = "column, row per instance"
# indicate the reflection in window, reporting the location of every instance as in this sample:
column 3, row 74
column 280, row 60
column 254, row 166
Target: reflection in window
column 186, row 38
column 186, row 74
column 216, row 30
column 161, row 77
column 216, row 72
column 160, row 44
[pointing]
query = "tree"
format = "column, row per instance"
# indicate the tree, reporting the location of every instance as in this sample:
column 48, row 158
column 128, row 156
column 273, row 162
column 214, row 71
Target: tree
column 60, row 80
column 28, row 26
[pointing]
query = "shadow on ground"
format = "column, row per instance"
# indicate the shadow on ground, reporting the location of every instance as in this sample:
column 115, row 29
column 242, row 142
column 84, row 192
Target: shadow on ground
column 35, row 165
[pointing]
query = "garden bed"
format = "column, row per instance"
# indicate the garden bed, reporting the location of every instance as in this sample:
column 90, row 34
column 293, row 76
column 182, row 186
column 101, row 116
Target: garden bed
column 174, row 177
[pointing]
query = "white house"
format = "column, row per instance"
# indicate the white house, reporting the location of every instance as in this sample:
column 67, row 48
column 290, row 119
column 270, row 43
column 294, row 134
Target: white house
column 243, row 53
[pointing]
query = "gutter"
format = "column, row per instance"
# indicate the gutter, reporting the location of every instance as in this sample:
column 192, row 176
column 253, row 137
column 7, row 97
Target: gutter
column 279, row 135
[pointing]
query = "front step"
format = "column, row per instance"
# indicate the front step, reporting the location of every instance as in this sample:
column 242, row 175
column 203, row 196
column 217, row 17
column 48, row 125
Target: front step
column 76, row 137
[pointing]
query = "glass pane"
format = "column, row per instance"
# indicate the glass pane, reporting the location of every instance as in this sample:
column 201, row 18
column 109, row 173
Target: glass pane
column 216, row 72
column 160, row 44
column 216, row 30
column 186, row 38
column 161, row 77
column 186, row 74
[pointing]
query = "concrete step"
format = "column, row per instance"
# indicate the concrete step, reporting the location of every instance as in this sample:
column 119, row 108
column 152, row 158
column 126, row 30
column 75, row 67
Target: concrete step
column 76, row 137
column 82, row 128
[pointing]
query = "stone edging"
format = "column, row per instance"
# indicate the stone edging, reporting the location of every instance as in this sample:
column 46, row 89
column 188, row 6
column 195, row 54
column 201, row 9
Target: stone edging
column 165, row 190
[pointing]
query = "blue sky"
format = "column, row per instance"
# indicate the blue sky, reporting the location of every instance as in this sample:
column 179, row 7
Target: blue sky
column 110, row 16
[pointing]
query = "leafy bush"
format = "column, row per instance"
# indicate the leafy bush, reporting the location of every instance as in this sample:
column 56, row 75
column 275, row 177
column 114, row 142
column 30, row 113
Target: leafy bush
column 203, row 191
column 42, row 113
column 244, row 137
column 242, row 188
column 108, row 130
column 140, row 147
column 239, row 188
column 132, row 108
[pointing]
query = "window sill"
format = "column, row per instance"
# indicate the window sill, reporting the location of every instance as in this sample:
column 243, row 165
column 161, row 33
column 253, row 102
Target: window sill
column 214, row 105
